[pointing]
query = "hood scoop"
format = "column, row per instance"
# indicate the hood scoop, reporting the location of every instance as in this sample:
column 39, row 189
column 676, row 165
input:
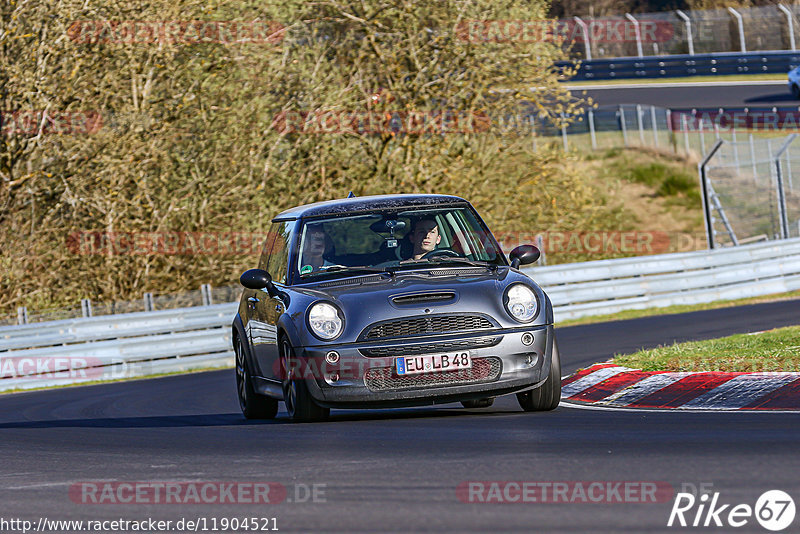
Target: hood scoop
column 431, row 297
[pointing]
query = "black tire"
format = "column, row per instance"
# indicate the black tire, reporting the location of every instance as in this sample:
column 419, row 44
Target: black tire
column 253, row 405
column 795, row 90
column 548, row 395
column 478, row 403
column 300, row 406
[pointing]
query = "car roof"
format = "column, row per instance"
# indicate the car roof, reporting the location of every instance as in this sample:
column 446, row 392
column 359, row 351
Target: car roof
column 366, row 204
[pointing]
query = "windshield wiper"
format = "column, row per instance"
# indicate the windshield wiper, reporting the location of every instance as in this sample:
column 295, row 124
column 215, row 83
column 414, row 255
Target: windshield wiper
column 344, row 268
column 442, row 260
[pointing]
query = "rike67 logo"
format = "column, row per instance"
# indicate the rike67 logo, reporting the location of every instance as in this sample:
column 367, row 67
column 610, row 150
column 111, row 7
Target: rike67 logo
column 774, row 510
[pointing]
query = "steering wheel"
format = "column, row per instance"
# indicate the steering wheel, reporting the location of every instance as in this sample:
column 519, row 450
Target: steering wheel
column 442, row 252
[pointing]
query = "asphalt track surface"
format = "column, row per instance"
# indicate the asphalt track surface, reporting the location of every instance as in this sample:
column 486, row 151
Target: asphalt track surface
column 397, row 470
column 677, row 95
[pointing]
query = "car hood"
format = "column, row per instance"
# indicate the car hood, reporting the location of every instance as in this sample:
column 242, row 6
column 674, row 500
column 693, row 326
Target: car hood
column 365, row 300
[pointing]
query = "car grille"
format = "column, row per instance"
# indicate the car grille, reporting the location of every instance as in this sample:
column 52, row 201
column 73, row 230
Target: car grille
column 427, row 325
column 482, row 370
column 429, row 348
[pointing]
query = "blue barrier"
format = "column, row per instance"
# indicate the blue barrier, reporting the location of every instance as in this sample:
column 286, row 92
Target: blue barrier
column 724, row 63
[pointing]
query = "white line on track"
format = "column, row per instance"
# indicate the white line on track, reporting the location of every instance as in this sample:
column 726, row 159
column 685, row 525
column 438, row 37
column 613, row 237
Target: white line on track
column 676, row 84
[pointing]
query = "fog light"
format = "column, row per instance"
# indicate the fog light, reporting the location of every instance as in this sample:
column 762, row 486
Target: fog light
column 335, row 377
column 332, row 357
column 527, row 338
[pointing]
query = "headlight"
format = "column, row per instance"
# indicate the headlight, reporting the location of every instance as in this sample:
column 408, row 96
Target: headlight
column 325, row 321
column 521, row 303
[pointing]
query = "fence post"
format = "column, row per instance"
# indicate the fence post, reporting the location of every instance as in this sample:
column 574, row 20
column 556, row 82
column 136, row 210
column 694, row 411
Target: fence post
column 735, row 148
column 86, row 307
column 636, row 32
column 701, row 167
column 205, row 291
column 688, row 22
column 789, row 171
column 592, row 133
column 564, row 132
column 654, row 125
column 790, row 22
column 640, row 123
column 671, row 130
column 753, row 158
column 741, row 27
column 702, row 135
column 622, row 124
column 22, row 315
column 784, row 220
column 148, row 302
column 587, row 43
column 540, row 245
column 533, row 133
column 685, row 127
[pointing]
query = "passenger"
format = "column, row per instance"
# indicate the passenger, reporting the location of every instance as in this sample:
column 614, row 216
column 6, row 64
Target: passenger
column 425, row 237
column 316, row 247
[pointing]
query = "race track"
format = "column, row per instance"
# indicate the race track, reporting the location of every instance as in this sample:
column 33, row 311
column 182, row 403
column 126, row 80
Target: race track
column 675, row 94
column 398, row 470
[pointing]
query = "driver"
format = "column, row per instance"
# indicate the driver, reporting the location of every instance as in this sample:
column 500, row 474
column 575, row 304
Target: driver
column 424, row 237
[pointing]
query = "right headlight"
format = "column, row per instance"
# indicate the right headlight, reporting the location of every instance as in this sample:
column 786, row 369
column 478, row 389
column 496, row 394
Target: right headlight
column 520, row 302
column 325, row 321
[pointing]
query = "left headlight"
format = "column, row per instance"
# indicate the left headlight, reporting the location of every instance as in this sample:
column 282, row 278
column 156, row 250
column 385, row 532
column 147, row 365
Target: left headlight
column 325, row 321
column 521, row 303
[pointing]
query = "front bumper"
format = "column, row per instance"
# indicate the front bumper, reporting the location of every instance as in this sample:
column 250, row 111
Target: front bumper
column 364, row 375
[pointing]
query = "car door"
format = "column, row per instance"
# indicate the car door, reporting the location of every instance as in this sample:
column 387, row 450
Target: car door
column 250, row 312
column 269, row 308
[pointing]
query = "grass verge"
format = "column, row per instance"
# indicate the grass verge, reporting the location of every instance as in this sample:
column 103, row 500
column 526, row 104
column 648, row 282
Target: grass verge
column 685, row 308
column 773, row 350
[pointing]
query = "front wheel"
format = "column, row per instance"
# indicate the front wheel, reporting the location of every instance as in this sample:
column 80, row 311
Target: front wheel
column 548, row 395
column 253, row 405
column 300, row 406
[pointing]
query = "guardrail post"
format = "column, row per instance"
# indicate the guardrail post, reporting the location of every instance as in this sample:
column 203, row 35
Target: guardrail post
column 784, row 220
column 205, row 291
column 654, row 125
column 701, row 167
column 637, row 33
column 592, row 134
column 740, row 21
column 22, row 315
column 688, row 22
column 564, row 132
column 640, row 123
column 86, row 307
column 148, row 302
column 622, row 124
column 588, row 40
column 790, row 22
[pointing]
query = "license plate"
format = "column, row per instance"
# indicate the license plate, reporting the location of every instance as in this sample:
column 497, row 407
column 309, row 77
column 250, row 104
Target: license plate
column 430, row 363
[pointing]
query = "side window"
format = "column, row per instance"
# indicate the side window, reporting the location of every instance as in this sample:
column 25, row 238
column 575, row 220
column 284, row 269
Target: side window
column 278, row 265
column 262, row 262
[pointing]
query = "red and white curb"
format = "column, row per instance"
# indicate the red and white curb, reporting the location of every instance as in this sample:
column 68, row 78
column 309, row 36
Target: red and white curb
column 606, row 384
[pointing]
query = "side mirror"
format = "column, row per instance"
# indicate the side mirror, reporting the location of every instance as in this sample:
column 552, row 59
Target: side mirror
column 524, row 255
column 256, row 279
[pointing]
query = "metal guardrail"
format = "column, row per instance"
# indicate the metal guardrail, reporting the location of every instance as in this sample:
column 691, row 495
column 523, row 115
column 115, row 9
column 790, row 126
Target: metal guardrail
column 147, row 343
column 722, row 63
column 610, row 286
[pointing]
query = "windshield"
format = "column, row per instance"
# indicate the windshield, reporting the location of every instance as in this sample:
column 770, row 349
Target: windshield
column 385, row 241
